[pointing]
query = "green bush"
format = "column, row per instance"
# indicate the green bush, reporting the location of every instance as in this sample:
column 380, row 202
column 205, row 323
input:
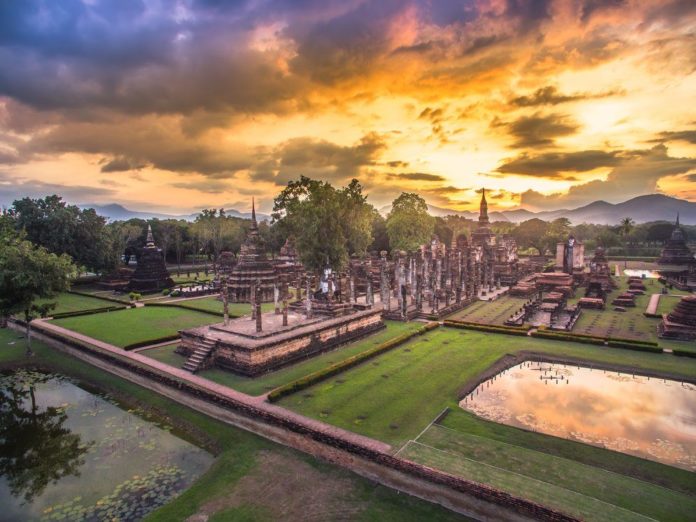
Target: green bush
column 684, row 353
column 634, row 346
column 330, row 371
column 508, row 330
column 135, row 296
column 186, row 307
column 90, row 311
column 166, row 291
column 148, row 342
column 569, row 337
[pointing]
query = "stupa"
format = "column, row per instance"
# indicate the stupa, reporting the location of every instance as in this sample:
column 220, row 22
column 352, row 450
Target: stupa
column 675, row 252
column 151, row 274
column 680, row 323
column 252, row 268
column 599, row 281
column 288, row 262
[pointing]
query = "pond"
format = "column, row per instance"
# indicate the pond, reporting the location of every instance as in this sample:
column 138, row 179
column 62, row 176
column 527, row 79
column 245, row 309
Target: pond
column 648, row 417
column 69, row 454
column 645, row 274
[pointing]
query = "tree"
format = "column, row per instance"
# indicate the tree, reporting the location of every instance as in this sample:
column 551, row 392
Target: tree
column 408, row 224
column 557, row 232
column 29, row 273
column 531, row 233
column 65, row 229
column 443, row 231
column 36, row 448
column 328, row 224
column 626, row 225
column 380, row 239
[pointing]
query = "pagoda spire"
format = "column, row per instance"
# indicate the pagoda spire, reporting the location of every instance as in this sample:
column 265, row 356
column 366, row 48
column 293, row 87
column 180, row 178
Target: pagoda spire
column 149, row 241
column 483, row 212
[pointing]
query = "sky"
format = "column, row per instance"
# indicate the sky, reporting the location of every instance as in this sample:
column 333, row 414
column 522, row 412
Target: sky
column 176, row 106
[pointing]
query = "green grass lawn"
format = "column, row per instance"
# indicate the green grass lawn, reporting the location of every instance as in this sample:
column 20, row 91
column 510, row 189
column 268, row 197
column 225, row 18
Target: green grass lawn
column 493, row 312
column 236, row 483
column 667, row 303
column 213, row 304
column 269, row 381
column 394, row 396
column 124, row 327
column 67, row 302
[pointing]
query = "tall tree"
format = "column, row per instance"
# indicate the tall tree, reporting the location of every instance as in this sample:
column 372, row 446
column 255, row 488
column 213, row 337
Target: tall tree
column 408, row 224
column 29, row 273
column 531, row 233
column 65, row 229
column 328, row 224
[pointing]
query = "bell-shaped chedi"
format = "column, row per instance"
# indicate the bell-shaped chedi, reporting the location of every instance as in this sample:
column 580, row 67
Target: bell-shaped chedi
column 680, row 323
column 151, row 274
column 675, row 252
column 253, row 268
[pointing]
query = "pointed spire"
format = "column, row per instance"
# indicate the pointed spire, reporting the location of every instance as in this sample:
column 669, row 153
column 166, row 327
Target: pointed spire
column 149, row 241
column 483, row 213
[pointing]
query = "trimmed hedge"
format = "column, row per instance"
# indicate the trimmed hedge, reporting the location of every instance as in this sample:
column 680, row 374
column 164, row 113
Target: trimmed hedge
column 684, row 353
column 641, row 347
column 184, row 307
column 148, row 342
column 89, row 311
column 112, row 299
column 631, row 341
column 508, row 330
column 569, row 337
column 334, row 369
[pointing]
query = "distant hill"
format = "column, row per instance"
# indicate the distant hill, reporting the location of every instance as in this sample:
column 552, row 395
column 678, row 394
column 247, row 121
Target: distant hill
column 652, row 207
column 116, row 212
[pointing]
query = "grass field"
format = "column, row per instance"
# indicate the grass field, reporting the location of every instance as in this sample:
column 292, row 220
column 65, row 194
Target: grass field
column 124, row 327
column 394, row 396
column 494, row 312
column 213, row 304
column 269, row 381
column 667, row 303
column 67, row 302
column 243, row 482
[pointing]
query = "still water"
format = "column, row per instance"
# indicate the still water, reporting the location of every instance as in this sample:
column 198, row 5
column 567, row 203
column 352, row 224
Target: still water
column 647, row 417
column 68, row 454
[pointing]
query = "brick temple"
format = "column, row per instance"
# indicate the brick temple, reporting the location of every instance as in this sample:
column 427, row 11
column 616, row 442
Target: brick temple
column 151, row 274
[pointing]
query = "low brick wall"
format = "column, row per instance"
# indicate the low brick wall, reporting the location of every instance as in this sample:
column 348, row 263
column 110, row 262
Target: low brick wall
column 392, row 465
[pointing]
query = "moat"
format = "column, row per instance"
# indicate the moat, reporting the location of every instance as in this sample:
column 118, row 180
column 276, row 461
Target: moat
column 69, row 454
column 647, row 417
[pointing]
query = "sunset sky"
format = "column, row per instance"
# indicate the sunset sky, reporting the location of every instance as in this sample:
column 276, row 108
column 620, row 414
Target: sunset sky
column 176, row 106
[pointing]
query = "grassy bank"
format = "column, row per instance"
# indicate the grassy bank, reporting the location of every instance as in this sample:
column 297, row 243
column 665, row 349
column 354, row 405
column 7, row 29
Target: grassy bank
column 396, row 395
column 272, row 380
column 251, row 478
column 135, row 325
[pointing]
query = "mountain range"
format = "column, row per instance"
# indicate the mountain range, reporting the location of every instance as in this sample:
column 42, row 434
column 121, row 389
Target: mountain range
column 652, row 207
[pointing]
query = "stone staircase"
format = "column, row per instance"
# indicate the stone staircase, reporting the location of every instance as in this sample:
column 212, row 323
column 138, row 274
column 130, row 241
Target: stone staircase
column 198, row 357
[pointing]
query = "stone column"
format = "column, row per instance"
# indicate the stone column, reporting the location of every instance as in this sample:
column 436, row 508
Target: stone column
column 225, row 302
column 384, row 283
column 276, row 298
column 419, row 292
column 252, row 298
column 369, row 296
column 259, row 326
column 308, row 301
column 351, row 287
column 286, row 294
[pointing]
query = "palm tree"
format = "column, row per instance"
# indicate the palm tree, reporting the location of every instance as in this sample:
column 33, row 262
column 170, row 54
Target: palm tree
column 625, row 226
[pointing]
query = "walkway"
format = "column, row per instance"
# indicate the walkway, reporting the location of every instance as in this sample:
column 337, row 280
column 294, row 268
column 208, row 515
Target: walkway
column 219, row 389
column 652, row 305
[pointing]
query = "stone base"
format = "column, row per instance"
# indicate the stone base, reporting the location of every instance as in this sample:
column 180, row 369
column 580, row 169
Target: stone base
column 239, row 348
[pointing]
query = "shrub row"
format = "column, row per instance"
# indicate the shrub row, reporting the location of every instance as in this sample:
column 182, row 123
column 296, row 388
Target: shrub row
column 90, row 311
column 684, row 353
column 103, row 298
column 568, row 337
column 158, row 340
column 631, row 341
column 508, row 330
column 330, row 371
column 641, row 347
column 186, row 307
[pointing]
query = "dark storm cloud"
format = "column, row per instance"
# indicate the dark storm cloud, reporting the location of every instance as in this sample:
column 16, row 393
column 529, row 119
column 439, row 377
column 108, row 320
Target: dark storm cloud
column 549, row 165
column 317, row 158
column 12, row 188
column 538, row 130
column 638, row 173
column 417, row 176
column 685, row 135
column 122, row 164
column 550, row 95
